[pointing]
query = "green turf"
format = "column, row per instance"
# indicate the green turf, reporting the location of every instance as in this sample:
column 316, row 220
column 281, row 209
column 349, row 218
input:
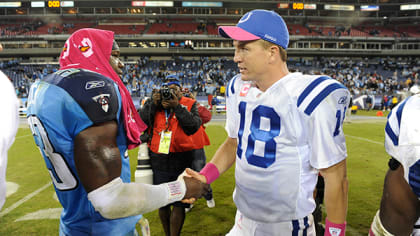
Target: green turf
column 366, row 169
column 370, row 113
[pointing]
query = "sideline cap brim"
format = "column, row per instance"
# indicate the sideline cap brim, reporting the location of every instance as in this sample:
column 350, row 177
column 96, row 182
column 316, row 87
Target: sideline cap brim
column 236, row 33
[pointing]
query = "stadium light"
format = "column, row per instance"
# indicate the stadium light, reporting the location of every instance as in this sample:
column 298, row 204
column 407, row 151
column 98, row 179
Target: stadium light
column 10, row 4
column 37, row 4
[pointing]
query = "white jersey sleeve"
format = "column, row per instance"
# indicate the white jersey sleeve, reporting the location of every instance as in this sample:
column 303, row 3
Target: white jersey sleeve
column 402, row 132
column 232, row 113
column 8, row 126
column 324, row 101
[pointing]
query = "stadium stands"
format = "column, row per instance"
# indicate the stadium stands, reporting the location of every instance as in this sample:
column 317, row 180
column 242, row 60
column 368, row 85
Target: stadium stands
column 191, row 26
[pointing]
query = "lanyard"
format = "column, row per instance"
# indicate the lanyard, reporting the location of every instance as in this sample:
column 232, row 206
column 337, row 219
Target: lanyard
column 167, row 115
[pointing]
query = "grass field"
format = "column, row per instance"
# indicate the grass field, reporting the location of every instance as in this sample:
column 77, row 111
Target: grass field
column 33, row 209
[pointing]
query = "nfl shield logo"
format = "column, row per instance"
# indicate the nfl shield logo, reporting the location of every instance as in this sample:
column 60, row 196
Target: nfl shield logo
column 334, row 231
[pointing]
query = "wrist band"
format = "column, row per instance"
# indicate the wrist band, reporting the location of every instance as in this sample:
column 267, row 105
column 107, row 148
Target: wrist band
column 211, row 172
column 332, row 229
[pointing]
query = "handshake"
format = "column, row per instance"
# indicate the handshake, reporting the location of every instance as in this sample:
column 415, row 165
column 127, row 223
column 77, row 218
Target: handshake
column 196, row 186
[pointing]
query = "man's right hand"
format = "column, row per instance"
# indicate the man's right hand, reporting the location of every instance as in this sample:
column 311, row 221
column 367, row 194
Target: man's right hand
column 195, row 189
column 156, row 97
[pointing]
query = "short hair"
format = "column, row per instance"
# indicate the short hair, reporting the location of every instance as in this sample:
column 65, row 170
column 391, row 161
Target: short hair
column 283, row 53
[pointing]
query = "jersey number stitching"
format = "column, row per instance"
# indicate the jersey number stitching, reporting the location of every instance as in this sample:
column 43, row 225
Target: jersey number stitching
column 257, row 134
column 339, row 122
column 60, row 173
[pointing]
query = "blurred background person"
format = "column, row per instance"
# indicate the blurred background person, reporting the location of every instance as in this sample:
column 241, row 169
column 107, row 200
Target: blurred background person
column 172, row 120
column 9, row 124
column 201, row 139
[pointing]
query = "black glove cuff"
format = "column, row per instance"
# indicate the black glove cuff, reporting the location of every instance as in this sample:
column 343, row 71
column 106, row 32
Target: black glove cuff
column 393, row 164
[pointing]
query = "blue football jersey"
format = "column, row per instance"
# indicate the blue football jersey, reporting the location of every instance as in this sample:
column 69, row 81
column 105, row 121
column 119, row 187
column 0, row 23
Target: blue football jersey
column 60, row 107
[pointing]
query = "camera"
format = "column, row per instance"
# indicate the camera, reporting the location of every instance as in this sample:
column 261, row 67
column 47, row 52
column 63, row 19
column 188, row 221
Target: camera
column 166, row 92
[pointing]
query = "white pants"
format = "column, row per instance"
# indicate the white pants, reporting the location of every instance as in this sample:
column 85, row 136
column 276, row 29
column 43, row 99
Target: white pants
column 247, row 227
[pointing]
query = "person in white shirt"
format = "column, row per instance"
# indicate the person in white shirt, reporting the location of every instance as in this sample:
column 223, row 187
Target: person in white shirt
column 399, row 212
column 283, row 129
column 9, row 104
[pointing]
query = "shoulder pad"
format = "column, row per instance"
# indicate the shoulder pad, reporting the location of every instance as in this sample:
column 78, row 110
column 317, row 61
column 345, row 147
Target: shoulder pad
column 96, row 94
column 316, row 92
column 230, row 90
column 393, row 124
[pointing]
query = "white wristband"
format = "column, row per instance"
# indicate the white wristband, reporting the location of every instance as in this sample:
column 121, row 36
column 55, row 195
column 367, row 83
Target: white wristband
column 176, row 190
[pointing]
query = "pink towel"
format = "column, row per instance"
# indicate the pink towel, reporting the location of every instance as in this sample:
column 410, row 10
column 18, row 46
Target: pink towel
column 90, row 49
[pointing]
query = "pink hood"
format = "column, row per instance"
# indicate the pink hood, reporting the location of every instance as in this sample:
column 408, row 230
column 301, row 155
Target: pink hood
column 90, row 49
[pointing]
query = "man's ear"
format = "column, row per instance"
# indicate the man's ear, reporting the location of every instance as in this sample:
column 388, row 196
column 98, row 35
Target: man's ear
column 274, row 53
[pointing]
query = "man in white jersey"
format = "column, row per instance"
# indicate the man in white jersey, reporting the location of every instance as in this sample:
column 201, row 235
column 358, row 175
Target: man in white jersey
column 9, row 105
column 283, row 129
column 400, row 206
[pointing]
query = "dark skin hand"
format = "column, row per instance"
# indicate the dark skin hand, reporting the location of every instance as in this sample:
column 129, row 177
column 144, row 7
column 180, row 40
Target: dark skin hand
column 156, row 97
column 98, row 159
column 195, row 188
column 400, row 207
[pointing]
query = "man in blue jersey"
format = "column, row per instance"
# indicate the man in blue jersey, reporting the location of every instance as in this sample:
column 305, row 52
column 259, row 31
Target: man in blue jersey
column 283, row 129
column 83, row 121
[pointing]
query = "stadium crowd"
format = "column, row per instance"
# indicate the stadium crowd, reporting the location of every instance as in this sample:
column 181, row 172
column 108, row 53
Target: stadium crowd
column 373, row 76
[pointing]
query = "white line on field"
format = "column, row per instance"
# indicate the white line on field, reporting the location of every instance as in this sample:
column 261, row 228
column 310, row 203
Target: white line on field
column 23, row 136
column 23, row 200
column 365, row 139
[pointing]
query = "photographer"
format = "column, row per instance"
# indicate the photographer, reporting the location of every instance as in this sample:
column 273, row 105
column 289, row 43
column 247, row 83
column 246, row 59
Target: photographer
column 172, row 120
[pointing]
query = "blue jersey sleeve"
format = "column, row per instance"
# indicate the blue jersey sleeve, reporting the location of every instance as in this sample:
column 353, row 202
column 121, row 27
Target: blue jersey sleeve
column 97, row 95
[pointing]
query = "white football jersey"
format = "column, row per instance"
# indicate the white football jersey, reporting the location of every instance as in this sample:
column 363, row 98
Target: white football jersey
column 284, row 135
column 402, row 136
column 402, row 141
column 9, row 123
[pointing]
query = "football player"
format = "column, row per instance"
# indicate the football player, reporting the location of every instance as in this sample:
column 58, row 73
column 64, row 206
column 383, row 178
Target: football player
column 9, row 124
column 400, row 206
column 283, row 129
column 83, row 121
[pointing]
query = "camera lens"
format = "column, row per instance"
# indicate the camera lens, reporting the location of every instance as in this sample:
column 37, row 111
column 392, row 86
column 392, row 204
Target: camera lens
column 165, row 91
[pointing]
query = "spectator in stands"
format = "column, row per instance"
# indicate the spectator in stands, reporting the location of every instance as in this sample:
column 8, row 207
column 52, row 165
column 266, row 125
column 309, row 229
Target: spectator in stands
column 210, row 92
column 172, row 119
column 369, row 102
column 394, row 102
column 84, row 121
